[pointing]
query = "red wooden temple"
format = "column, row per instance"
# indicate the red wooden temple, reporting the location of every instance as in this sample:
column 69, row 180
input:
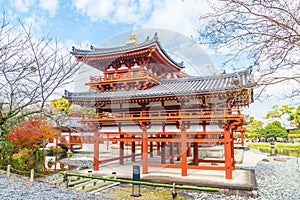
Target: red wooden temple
column 143, row 97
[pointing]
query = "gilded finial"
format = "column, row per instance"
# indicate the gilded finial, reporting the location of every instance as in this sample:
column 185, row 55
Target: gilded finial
column 132, row 39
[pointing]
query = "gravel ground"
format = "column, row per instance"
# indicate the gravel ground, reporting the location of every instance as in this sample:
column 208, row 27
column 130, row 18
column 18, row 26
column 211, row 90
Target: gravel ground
column 276, row 180
column 21, row 188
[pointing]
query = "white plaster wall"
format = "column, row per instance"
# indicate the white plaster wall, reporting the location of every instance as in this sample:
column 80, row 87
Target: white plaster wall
column 194, row 128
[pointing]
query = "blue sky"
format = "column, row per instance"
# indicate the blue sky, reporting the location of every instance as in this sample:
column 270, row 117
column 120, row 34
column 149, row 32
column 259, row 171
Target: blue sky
column 82, row 23
column 94, row 21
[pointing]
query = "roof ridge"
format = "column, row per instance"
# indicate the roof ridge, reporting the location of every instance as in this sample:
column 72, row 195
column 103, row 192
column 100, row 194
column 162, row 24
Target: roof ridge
column 214, row 76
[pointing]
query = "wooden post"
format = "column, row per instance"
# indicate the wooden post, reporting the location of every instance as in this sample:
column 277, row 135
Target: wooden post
column 178, row 150
column 242, row 138
column 121, row 161
column 133, row 150
column 163, row 152
column 228, row 156
column 145, row 151
column 172, row 152
column 96, row 150
column 151, row 149
column 8, row 171
column 158, row 147
column 121, row 149
column 183, row 153
column 196, row 153
column 31, row 175
column 232, row 150
column 189, row 152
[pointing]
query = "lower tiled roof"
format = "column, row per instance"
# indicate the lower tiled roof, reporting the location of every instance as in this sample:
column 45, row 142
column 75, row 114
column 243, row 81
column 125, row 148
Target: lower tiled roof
column 174, row 87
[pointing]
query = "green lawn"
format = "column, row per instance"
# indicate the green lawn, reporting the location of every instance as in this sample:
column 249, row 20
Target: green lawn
column 277, row 145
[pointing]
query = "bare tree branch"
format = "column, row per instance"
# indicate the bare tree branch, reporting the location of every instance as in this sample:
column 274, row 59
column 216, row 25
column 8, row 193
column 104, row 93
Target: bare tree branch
column 31, row 70
column 265, row 33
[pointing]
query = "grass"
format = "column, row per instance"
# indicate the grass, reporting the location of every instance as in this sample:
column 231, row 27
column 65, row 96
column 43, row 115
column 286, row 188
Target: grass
column 287, row 146
column 124, row 193
column 258, row 145
column 277, row 145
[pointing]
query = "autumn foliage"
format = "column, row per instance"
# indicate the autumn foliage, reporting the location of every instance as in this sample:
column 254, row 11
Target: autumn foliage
column 31, row 133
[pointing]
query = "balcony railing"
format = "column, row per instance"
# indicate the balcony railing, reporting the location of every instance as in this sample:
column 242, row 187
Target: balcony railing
column 166, row 115
column 122, row 76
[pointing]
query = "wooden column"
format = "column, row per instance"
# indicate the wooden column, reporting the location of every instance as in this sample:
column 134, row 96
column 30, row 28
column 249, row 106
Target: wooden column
column 172, row 152
column 228, row 154
column 163, row 147
column 232, row 150
column 151, row 149
column 242, row 137
column 158, row 147
column 96, row 151
column 144, row 140
column 121, row 149
column 196, row 153
column 183, row 153
column 145, row 151
column 178, row 147
column 189, row 152
column 133, row 150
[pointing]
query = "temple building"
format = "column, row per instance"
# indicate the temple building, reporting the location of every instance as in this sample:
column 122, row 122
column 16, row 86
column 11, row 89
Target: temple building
column 144, row 99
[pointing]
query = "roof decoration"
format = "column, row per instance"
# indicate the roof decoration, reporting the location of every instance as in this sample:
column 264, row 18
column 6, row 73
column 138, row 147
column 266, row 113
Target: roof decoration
column 148, row 46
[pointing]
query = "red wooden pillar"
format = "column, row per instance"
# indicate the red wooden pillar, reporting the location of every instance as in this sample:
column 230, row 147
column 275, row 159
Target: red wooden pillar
column 183, row 153
column 178, row 151
column 163, row 147
column 145, row 151
column 163, row 153
column 151, row 149
column 172, row 152
column 242, row 138
column 133, row 150
column 121, row 161
column 158, row 147
column 228, row 154
column 232, row 150
column 196, row 153
column 189, row 152
column 96, row 151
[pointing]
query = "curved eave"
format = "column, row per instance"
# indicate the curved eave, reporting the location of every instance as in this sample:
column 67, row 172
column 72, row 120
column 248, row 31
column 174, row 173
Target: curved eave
column 124, row 51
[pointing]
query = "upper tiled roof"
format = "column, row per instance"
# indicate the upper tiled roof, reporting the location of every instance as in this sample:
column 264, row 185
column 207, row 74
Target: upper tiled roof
column 174, row 87
column 148, row 43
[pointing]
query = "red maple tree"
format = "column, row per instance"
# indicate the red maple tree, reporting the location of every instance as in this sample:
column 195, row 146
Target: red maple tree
column 31, row 133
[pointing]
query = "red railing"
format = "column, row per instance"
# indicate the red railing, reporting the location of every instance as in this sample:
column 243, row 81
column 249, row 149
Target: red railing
column 118, row 76
column 166, row 113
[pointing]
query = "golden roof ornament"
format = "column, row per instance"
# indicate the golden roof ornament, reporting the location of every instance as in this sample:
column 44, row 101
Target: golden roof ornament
column 132, row 39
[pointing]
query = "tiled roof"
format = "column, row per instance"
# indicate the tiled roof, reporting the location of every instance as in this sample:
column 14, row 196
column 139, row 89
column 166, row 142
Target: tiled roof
column 148, row 43
column 174, row 87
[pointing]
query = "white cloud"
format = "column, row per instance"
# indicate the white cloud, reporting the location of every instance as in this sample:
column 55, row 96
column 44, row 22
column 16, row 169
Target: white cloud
column 180, row 16
column 176, row 15
column 50, row 5
column 115, row 11
column 35, row 22
column 23, row 5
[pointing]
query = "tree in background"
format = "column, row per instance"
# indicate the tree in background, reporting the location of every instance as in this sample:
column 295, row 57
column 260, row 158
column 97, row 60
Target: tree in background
column 265, row 33
column 293, row 113
column 253, row 128
column 274, row 130
column 31, row 71
column 27, row 138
